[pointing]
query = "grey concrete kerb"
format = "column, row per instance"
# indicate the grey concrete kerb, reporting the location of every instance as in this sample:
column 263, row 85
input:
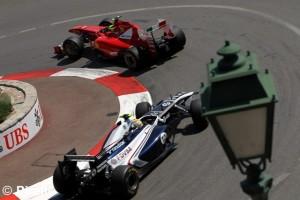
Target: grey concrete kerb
column 25, row 121
column 20, row 109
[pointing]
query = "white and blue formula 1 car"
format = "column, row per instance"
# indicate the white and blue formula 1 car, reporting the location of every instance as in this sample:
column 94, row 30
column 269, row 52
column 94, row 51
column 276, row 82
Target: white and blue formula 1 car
column 133, row 148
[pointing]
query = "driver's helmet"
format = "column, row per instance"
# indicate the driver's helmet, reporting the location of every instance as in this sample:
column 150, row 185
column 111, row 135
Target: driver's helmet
column 111, row 27
column 114, row 22
column 137, row 123
column 134, row 122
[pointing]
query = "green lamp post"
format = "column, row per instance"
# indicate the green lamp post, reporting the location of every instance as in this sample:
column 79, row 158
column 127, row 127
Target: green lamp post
column 239, row 103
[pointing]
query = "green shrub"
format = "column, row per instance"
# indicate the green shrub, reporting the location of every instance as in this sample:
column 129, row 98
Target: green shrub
column 5, row 106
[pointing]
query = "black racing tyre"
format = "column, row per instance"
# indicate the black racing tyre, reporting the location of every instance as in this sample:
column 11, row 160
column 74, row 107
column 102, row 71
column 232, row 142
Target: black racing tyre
column 196, row 113
column 64, row 184
column 179, row 40
column 141, row 109
column 132, row 58
column 73, row 47
column 105, row 22
column 125, row 181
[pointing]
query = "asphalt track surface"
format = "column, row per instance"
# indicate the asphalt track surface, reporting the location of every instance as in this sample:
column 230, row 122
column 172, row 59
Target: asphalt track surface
column 198, row 169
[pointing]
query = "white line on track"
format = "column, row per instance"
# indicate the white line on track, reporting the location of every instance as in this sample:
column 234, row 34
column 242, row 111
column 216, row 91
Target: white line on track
column 280, row 178
column 272, row 18
column 27, row 30
column 275, row 19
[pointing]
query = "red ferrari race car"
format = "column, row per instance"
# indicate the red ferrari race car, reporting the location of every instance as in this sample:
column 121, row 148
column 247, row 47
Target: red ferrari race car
column 115, row 38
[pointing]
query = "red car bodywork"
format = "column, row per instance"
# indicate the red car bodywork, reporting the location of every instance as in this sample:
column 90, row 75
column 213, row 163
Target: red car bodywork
column 111, row 42
column 124, row 39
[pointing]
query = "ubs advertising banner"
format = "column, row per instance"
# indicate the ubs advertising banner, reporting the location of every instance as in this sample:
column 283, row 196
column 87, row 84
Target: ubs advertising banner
column 22, row 132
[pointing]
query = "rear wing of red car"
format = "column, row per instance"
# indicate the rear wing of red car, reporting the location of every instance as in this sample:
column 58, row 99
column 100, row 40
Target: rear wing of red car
column 161, row 25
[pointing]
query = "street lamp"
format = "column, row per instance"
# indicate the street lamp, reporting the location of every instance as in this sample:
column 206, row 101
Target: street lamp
column 239, row 104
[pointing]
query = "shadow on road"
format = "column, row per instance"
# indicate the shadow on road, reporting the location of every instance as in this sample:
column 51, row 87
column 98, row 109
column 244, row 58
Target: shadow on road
column 85, row 196
column 189, row 129
column 95, row 60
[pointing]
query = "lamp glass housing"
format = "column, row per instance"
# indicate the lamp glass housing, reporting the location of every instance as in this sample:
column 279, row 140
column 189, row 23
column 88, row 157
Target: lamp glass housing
column 245, row 131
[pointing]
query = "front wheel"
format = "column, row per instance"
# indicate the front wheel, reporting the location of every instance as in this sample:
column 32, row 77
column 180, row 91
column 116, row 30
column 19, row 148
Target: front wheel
column 196, row 113
column 125, row 181
column 141, row 109
column 73, row 47
column 132, row 58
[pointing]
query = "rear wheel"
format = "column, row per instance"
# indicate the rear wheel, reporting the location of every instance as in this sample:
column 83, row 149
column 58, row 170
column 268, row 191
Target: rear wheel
column 132, row 58
column 64, row 180
column 125, row 181
column 141, row 109
column 179, row 39
column 73, row 47
column 196, row 113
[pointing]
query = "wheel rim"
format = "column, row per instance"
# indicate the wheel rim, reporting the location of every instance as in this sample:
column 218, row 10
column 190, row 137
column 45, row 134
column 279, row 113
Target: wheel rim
column 132, row 181
column 130, row 60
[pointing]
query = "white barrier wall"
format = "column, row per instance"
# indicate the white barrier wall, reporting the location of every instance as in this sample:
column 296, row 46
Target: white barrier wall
column 22, row 132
